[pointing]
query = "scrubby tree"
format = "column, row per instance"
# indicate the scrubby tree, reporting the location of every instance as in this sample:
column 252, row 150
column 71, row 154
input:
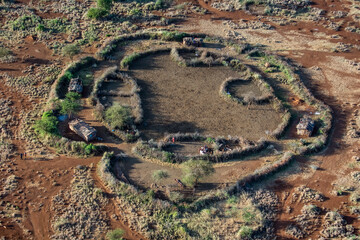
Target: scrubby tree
column 71, row 104
column 118, row 116
column 97, row 13
column 47, row 124
column 103, row 8
column 194, row 170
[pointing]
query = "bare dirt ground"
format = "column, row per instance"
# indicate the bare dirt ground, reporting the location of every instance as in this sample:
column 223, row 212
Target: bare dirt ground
column 177, row 99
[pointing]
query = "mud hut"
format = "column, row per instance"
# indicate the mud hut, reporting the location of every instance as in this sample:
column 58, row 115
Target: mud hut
column 306, row 126
column 82, row 129
column 189, row 41
column 75, row 85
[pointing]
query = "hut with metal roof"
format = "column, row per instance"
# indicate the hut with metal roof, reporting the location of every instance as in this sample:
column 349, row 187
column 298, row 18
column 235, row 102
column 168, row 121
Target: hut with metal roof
column 82, row 129
column 305, row 127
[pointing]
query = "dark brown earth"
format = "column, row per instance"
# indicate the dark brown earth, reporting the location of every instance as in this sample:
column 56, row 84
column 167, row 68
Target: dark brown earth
column 177, row 99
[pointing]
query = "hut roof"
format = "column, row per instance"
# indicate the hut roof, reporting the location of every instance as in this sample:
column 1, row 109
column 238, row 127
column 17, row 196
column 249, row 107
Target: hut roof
column 306, row 123
column 75, row 85
column 82, row 129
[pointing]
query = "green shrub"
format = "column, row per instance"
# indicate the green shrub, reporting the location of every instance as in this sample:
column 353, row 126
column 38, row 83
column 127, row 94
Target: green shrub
column 25, row 22
column 116, row 234
column 40, row 28
column 210, row 140
column 56, row 25
column 168, row 156
column 232, row 200
column 104, row 4
column 97, row 13
column 71, row 104
column 47, row 124
column 118, row 117
column 176, row 197
column 248, row 216
column 89, row 149
column 159, row 175
column 194, row 170
column 71, row 50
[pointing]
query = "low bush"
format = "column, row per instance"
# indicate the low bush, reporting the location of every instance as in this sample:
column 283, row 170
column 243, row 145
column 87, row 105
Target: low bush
column 119, row 117
column 125, row 62
column 105, row 4
column 97, row 13
column 245, row 232
column 158, row 175
column 116, row 234
column 25, row 22
column 71, row 50
column 172, row 36
column 47, row 124
column 4, row 52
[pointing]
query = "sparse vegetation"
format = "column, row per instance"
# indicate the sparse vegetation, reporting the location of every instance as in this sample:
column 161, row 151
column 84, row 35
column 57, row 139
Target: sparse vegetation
column 71, row 50
column 118, row 117
column 158, row 175
column 223, row 209
column 47, row 124
column 97, row 13
column 103, row 8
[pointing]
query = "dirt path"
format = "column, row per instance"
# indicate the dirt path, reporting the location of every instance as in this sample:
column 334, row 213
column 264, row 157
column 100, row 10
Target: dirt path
column 113, row 212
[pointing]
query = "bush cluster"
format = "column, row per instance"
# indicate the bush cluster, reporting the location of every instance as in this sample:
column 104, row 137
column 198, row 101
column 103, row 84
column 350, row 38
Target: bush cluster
column 102, row 9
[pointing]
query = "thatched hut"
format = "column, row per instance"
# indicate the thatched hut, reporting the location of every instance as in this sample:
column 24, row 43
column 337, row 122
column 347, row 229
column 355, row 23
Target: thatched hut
column 75, row 85
column 82, row 129
column 189, row 41
column 306, row 126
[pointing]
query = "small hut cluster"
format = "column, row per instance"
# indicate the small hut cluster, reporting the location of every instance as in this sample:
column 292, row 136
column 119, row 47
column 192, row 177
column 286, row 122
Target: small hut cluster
column 205, row 150
column 306, row 126
column 82, row 129
column 75, row 85
column 190, row 41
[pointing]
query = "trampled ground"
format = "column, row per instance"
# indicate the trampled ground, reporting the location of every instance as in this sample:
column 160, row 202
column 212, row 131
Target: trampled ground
column 186, row 99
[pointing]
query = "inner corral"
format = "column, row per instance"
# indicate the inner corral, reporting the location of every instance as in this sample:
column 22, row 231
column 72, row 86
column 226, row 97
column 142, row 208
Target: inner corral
column 140, row 173
column 186, row 99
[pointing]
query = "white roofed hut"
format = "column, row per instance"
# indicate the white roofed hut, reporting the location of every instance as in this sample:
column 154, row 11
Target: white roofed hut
column 82, row 129
column 306, row 126
column 75, row 85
